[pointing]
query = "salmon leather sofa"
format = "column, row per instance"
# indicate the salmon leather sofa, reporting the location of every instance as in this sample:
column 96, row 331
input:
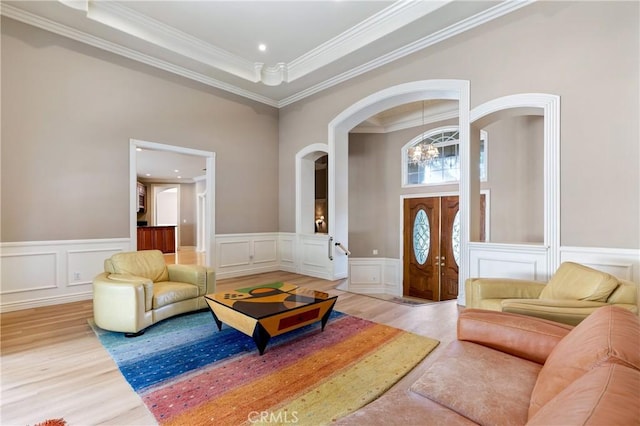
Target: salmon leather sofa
column 511, row 369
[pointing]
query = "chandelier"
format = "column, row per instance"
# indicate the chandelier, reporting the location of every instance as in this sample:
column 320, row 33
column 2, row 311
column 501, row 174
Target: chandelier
column 424, row 151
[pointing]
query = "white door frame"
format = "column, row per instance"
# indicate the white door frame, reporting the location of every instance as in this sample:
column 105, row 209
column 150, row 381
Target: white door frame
column 209, row 222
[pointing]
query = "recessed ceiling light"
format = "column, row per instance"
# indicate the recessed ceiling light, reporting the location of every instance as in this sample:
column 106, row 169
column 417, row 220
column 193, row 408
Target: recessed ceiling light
column 179, row 177
column 148, row 174
column 176, row 170
column 262, row 47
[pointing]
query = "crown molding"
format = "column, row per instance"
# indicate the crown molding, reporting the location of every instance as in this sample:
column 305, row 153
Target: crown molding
column 162, row 35
column 448, row 32
column 63, row 30
column 185, row 45
column 371, row 29
column 159, row 34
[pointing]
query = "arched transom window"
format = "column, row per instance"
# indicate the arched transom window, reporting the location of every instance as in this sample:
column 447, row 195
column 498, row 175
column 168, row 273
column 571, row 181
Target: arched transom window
column 433, row 158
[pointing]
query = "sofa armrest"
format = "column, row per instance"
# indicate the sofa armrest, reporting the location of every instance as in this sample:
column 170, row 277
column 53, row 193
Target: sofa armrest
column 121, row 301
column 477, row 289
column 525, row 337
column 146, row 283
column 197, row 275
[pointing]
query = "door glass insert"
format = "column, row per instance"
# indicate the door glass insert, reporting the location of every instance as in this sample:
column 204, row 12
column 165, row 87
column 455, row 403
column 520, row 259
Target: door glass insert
column 421, row 237
column 455, row 238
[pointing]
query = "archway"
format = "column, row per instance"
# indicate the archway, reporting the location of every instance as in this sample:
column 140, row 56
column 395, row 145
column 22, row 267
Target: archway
column 338, row 131
column 529, row 261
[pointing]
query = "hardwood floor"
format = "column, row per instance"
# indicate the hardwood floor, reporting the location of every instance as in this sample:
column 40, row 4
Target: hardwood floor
column 54, row 367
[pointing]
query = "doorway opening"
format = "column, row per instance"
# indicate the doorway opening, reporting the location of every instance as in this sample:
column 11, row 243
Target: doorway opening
column 321, row 182
column 167, row 207
column 431, row 245
column 205, row 222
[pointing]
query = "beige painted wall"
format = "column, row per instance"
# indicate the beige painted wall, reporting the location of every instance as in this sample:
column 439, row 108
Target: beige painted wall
column 515, row 179
column 68, row 112
column 585, row 52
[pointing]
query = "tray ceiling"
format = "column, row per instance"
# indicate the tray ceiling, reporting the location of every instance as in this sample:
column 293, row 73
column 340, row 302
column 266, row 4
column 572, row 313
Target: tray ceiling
column 310, row 45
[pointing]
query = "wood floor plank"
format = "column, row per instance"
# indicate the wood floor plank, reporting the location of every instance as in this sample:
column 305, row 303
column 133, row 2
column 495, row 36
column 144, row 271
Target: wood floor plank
column 53, row 365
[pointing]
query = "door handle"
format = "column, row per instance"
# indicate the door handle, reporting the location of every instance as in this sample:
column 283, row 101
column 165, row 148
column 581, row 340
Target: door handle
column 330, row 253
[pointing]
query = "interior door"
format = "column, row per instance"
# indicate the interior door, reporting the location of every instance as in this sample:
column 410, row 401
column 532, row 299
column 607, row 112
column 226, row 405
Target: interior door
column 421, row 251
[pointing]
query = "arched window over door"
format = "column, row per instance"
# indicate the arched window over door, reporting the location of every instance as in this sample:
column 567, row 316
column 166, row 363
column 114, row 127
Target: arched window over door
column 444, row 167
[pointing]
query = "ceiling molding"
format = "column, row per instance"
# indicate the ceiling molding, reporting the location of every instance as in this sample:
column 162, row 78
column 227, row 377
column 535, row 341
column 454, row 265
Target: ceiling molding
column 452, row 30
column 167, row 37
column 145, row 28
column 377, row 26
column 63, row 30
column 173, row 40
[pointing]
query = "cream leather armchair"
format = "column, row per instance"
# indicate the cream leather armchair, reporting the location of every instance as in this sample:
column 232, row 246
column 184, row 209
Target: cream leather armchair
column 139, row 289
column 572, row 293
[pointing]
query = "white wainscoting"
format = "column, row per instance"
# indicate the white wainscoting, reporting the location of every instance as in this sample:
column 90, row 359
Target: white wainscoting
column 245, row 254
column 493, row 260
column 287, row 251
column 41, row 273
column 521, row 261
column 622, row 263
column 375, row 276
column 314, row 256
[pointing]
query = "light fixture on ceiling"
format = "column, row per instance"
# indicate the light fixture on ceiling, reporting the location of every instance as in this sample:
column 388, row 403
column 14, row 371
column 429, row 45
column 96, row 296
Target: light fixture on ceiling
column 423, row 152
column 262, row 47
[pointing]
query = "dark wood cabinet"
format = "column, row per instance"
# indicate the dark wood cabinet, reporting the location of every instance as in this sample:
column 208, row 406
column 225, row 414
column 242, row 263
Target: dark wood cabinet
column 161, row 238
column 141, row 192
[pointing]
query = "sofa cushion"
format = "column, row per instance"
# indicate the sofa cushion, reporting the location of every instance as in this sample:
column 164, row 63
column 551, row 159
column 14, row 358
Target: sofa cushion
column 145, row 263
column 522, row 336
column 168, row 292
column 579, row 282
column 606, row 395
column 610, row 334
column 483, row 384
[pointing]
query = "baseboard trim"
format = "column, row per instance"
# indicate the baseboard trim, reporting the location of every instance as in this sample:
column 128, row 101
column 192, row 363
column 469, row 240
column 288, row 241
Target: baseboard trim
column 45, row 301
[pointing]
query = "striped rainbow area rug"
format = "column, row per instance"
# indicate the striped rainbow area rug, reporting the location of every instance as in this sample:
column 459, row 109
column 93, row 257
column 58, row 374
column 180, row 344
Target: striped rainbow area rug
column 189, row 373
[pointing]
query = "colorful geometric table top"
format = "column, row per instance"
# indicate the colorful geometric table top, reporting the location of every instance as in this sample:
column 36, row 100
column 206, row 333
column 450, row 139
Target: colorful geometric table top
column 268, row 299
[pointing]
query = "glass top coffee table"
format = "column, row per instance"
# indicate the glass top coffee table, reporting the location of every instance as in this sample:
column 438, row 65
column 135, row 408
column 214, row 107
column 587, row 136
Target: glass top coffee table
column 268, row 310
